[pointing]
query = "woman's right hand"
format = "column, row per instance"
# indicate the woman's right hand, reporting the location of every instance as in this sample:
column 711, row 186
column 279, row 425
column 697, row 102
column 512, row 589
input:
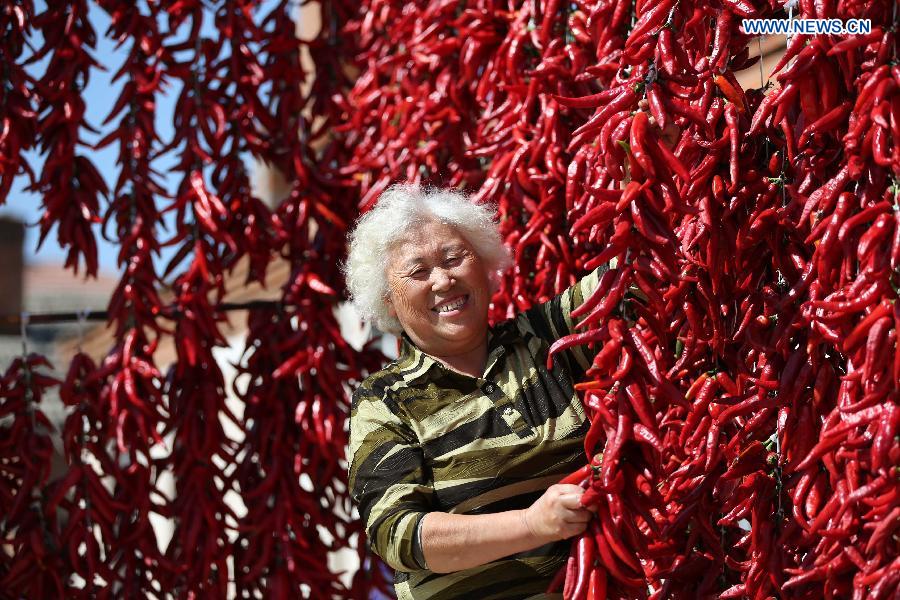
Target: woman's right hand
column 557, row 514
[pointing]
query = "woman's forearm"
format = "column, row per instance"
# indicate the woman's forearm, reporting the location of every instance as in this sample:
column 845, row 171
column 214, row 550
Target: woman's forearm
column 452, row 542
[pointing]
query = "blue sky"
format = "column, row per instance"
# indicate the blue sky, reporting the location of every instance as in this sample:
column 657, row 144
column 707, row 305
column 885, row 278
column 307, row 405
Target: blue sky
column 100, row 95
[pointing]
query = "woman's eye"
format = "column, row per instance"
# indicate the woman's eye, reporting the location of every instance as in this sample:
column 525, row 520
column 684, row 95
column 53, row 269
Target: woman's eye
column 418, row 273
column 453, row 260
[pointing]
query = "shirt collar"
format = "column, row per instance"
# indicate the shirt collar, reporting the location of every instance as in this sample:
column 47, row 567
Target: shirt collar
column 415, row 364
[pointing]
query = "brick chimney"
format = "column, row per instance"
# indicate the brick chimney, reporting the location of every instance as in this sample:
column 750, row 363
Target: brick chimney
column 12, row 236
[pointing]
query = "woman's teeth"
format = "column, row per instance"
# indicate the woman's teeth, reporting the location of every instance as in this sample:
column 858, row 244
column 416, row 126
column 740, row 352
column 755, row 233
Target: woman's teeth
column 452, row 306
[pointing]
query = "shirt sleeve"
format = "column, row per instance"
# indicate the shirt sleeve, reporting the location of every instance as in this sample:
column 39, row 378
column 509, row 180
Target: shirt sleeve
column 553, row 319
column 387, row 479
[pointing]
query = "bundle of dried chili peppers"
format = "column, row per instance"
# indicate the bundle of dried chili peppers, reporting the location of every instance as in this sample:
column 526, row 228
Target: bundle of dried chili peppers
column 298, row 370
column 18, row 110
column 69, row 182
column 744, row 441
column 30, row 530
column 744, row 396
column 250, row 512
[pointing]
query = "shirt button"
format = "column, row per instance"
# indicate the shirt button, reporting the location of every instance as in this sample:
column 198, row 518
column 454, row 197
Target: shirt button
column 508, row 410
column 488, row 388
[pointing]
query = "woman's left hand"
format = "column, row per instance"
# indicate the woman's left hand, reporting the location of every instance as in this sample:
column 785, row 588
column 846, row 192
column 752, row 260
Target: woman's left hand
column 557, row 514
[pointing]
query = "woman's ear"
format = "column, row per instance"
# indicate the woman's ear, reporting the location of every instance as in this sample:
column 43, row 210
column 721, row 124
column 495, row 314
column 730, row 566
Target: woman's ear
column 390, row 306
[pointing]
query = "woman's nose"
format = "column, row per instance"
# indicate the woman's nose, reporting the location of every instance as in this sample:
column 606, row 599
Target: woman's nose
column 443, row 280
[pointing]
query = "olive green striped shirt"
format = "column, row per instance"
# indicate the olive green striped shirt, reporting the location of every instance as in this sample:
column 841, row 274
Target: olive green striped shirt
column 426, row 438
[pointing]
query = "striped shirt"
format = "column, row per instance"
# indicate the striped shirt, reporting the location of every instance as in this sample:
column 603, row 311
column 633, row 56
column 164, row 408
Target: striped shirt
column 426, row 438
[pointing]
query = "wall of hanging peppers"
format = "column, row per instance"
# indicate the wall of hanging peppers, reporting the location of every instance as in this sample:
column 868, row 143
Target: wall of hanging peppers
column 744, row 418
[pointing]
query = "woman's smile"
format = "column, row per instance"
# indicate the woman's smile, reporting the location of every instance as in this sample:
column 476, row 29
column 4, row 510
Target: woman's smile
column 451, row 307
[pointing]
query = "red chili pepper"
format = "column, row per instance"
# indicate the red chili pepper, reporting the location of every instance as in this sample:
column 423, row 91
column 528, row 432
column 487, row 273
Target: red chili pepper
column 647, row 22
column 607, row 558
column 657, row 107
column 668, row 157
column 556, row 584
column 591, row 101
column 597, row 584
column 599, row 214
column 855, row 305
column 571, row 572
column 576, row 477
column 585, row 549
column 613, row 297
column 625, row 99
column 575, row 339
column 731, row 119
column 732, row 93
column 768, row 105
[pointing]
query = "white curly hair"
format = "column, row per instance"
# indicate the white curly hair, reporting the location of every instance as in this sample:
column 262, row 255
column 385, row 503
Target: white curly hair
column 400, row 208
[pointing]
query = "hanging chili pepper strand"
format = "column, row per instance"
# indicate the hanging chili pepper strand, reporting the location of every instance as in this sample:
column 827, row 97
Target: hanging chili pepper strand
column 240, row 77
column 300, row 144
column 409, row 110
column 279, row 546
column 507, row 128
column 90, row 507
column 218, row 96
column 832, row 318
column 306, row 381
column 280, row 57
column 133, row 209
column 529, row 116
column 289, row 552
column 69, row 183
column 18, row 112
column 648, row 162
column 331, row 53
column 202, row 451
column 709, row 262
column 131, row 398
column 32, row 565
column 289, row 476
column 296, row 411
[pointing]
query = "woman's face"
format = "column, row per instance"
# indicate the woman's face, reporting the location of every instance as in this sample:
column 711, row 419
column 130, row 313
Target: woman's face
column 439, row 290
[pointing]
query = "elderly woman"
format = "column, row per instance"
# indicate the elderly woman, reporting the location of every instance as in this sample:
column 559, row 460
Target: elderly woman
column 456, row 446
